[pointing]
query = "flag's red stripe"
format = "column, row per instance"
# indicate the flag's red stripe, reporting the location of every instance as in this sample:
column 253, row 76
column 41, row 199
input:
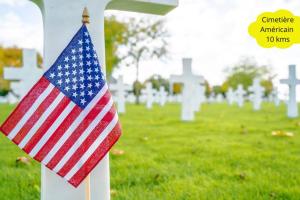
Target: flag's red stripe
column 88, row 142
column 36, row 116
column 58, row 133
column 48, row 123
column 97, row 156
column 81, row 128
column 24, row 106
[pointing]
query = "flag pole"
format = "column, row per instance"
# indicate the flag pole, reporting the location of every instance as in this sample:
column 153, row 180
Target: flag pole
column 86, row 20
column 88, row 188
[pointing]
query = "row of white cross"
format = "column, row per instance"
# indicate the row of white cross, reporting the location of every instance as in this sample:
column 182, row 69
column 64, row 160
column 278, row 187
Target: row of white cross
column 193, row 93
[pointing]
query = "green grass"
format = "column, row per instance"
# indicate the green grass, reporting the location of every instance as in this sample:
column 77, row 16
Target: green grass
column 227, row 153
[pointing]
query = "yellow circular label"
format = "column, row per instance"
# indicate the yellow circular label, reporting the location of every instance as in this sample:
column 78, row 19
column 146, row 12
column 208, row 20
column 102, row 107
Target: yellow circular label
column 279, row 29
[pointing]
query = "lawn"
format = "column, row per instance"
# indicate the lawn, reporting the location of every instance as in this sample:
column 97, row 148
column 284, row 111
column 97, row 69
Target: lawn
column 227, row 153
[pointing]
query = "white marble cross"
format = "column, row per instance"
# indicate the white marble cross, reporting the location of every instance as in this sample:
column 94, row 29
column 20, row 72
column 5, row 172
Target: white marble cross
column 189, row 81
column 25, row 77
column 230, row 96
column 275, row 96
column 292, row 82
column 199, row 97
column 240, row 93
column 257, row 94
column 61, row 21
column 220, row 98
column 149, row 94
column 162, row 96
column 120, row 88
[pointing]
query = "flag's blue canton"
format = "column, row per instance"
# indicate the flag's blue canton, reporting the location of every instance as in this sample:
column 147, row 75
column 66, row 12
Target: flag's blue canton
column 77, row 72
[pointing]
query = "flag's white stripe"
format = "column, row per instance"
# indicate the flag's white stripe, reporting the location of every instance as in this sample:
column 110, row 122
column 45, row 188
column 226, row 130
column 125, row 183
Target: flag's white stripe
column 74, row 125
column 83, row 136
column 52, row 129
column 31, row 110
column 92, row 148
column 41, row 120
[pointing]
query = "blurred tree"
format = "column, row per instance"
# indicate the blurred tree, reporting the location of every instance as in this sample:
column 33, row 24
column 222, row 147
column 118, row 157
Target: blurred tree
column 245, row 71
column 145, row 40
column 116, row 35
column 208, row 89
column 158, row 81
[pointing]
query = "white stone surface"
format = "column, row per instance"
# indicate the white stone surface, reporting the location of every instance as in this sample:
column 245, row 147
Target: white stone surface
column 162, row 96
column 189, row 81
column 240, row 95
column 149, row 93
column 61, row 21
column 230, row 96
column 275, row 97
column 257, row 94
column 120, row 88
column 220, row 98
column 25, row 77
column 292, row 82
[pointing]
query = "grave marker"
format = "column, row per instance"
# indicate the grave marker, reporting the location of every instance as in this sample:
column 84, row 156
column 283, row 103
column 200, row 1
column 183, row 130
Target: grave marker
column 120, row 88
column 292, row 82
column 61, row 19
column 257, row 94
column 25, row 77
column 189, row 81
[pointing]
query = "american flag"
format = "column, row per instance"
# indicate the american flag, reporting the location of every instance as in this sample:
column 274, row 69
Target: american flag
column 67, row 121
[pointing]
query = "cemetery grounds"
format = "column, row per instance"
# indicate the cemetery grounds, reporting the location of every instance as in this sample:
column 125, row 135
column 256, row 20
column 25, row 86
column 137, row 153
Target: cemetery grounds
column 226, row 153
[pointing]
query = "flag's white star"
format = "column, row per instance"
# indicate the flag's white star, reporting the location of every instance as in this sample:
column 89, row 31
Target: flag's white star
column 75, row 94
column 89, row 70
column 87, row 48
column 97, row 84
column 74, row 87
column 89, row 85
column 74, row 80
column 88, row 56
column 82, row 93
column 59, row 74
column 82, row 86
column 86, row 33
column 74, row 58
column 80, row 42
column 97, row 70
column 67, row 88
column 74, row 65
column 73, row 51
column 95, row 55
column 52, row 75
column 67, row 59
column 97, row 77
column 67, row 80
column 81, row 78
column 89, row 78
column 59, row 67
column 80, row 49
column 59, row 82
column 82, row 101
column 81, row 64
column 74, row 72
column 96, row 62
column 88, row 63
column 90, row 93
column 67, row 73
column 87, row 41
column 81, row 71
column 81, row 57
column 67, row 66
